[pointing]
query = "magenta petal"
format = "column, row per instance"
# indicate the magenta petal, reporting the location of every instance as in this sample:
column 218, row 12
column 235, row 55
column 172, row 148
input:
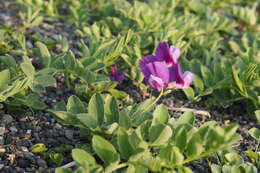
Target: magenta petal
column 159, row 69
column 168, row 54
column 175, row 53
column 188, row 77
column 144, row 61
column 175, row 74
column 115, row 76
column 178, row 79
column 156, row 82
column 162, row 52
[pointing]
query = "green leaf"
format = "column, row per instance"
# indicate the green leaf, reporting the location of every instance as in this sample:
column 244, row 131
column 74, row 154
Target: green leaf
column 255, row 133
column 118, row 94
column 159, row 134
column 111, row 110
column 189, row 93
column 136, row 168
column 124, row 145
column 63, row 170
column 96, row 107
column 45, row 80
column 207, row 76
column 234, row 159
column 257, row 114
column 124, row 120
column 88, row 120
column 28, row 69
column 33, row 101
column 57, row 158
column 105, row 150
column 45, row 54
column 80, row 156
column 171, row 155
column 195, row 145
column 198, row 83
column 160, row 115
column 216, row 168
column 180, row 136
column 186, row 118
column 75, row 105
column 65, row 117
column 4, row 78
column 216, row 138
column 38, row 148
column 238, row 82
column 143, row 107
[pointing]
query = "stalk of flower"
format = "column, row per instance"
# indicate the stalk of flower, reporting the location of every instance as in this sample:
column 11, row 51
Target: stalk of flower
column 116, row 76
column 163, row 70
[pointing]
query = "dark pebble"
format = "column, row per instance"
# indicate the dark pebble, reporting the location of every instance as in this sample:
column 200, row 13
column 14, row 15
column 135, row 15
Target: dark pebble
column 41, row 163
column 23, row 163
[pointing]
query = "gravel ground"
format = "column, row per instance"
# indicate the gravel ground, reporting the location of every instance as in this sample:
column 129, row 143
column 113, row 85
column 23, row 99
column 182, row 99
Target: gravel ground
column 19, row 131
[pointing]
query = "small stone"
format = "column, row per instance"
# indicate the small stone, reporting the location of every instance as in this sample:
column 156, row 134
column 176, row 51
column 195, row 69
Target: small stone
column 29, row 131
column 7, row 119
column 57, row 126
column 2, row 140
column 1, row 166
column 2, row 131
column 53, row 120
column 41, row 163
column 2, row 150
column 23, row 163
column 30, row 157
column 29, row 45
column 13, row 129
column 24, row 149
column 69, row 134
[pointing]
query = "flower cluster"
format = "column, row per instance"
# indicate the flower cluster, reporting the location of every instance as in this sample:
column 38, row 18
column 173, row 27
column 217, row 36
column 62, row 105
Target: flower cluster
column 163, row 69
column 116, row 76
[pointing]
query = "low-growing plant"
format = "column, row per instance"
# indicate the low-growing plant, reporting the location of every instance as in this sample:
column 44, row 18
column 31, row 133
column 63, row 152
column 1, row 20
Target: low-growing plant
column 255, row 133
column 232, row 162
column 135, row 139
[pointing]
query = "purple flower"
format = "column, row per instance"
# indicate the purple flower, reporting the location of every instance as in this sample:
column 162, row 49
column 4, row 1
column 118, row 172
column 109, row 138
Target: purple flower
column 169, row 54
column 163, row 69
column 115, row 76
column 155, row 72
column 179, row 80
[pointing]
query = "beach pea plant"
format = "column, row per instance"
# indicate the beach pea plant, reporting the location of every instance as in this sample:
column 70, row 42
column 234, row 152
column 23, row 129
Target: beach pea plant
column 17, row 82
column 230, row 162
column 255, row 133
column 201, row 32
column 135, row 139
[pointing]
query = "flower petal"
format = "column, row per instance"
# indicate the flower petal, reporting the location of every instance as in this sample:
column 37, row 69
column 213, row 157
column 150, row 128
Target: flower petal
column 156, row 82
column 178, row 79
column 115, row 76
column 162, row 52
column 144, row 61
column 175, row 74
column 168, row 54
column 158, row 69
column 188, row 78
column 175, row 53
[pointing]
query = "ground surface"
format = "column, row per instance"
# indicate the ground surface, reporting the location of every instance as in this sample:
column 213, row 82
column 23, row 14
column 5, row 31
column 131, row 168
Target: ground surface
column 19, row 131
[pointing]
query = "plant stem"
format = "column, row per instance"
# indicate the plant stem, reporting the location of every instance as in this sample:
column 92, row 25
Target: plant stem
column 158, row 98
column 116, row 168
column 195, row 111
column 257, row 146
column 155, row 101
